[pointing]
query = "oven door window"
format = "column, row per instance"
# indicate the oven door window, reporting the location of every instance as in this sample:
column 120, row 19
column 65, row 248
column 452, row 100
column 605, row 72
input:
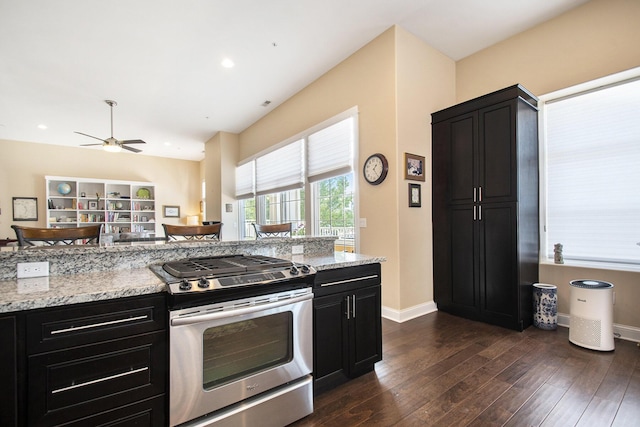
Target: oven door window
column 236, row 350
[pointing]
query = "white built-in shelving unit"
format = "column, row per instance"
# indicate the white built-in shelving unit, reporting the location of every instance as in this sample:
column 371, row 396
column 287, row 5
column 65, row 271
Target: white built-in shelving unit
column 122, row 206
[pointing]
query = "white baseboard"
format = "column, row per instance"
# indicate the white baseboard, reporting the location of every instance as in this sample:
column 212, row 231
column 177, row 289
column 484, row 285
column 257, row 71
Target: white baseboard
column 400, row 316
column 624, row 332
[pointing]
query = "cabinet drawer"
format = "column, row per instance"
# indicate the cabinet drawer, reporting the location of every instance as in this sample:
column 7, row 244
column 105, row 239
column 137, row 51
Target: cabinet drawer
column 148, row 413
column 346, row 279
column 81, row 381
column 55, row 329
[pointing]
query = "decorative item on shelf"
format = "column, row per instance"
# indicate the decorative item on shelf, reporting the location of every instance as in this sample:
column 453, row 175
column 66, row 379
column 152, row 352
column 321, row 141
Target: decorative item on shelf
column 113, row 194
column 415, row 196
column 93, row 205
column 143, row 193
column 558, row 258
column 83, row 194
column 64, row 188
column 119, row 205
column 193, row 220
column 414, row 167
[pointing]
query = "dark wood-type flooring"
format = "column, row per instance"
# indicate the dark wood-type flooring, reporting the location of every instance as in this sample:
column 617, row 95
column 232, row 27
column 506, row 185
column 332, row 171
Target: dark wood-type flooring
column 442, row 370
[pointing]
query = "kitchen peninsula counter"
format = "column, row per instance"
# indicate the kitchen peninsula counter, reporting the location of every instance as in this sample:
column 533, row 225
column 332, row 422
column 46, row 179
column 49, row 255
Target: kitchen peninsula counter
column 104, row 283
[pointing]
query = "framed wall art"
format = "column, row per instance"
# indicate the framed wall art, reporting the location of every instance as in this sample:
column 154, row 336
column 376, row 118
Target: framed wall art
column 414, row 167
column 25, row 208
column 171, row 211
column 415, row 196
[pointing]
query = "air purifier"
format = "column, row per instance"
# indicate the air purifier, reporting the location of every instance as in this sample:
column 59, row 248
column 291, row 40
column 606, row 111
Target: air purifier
column 591, row 314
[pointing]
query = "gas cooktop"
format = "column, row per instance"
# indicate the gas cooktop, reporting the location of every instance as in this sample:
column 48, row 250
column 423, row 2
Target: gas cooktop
column 211, row 279
column 223, row 265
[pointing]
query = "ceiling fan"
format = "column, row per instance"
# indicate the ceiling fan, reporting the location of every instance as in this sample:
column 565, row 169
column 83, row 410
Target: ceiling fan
column 111, row 144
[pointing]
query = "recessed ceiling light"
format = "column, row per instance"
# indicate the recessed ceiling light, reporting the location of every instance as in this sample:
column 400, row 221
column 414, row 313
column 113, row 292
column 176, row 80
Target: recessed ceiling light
column 42, row 126
column 167, row 143
column 227, row 63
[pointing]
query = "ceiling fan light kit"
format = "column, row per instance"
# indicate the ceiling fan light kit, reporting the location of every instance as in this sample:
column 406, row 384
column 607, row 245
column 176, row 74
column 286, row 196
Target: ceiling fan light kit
column 111, row 144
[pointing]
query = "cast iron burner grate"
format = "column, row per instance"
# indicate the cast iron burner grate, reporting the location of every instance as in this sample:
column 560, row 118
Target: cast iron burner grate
column 222, row 265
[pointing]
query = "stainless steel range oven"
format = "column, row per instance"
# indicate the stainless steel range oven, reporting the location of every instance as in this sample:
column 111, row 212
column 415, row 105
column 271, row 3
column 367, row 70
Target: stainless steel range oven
column 241, row 347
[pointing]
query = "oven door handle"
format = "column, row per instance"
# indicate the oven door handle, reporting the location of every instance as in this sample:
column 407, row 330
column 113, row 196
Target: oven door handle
column 197, row 318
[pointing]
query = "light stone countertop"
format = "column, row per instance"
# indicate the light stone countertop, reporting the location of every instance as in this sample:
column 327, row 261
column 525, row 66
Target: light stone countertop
column 27, row 294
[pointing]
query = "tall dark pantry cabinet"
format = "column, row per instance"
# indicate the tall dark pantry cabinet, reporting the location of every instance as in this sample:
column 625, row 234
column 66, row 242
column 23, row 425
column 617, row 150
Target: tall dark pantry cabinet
column 485, row 207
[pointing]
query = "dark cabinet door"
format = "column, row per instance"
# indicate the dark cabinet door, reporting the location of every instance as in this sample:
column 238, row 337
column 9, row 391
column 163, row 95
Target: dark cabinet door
column 365, row 330
column 8, row 372
column 497, row 179
column 330, row 339
column 461, row 160
column 463, row 269
column 499, row 263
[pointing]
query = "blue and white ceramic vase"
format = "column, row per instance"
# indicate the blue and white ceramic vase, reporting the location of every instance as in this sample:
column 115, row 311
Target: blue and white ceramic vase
column 545, row 306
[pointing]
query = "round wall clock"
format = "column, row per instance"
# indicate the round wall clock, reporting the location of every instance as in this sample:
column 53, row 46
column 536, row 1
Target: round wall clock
column 375, row 169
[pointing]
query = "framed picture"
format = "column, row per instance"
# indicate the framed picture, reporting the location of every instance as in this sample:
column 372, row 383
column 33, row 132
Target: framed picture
column 171, row 211
column 93, row 204
column 25, row 208
column 415, row 196
column 414, row 167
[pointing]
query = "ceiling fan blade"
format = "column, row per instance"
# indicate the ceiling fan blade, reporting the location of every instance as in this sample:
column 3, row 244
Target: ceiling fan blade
column 89, row 145
column 90, row 136
column 135, row 150
column 133, row 141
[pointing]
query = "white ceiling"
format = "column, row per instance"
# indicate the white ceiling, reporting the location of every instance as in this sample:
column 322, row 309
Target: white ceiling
column 161, row 59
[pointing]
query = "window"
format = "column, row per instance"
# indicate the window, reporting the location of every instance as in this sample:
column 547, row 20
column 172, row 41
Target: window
column 592, row 147
column 318, row 162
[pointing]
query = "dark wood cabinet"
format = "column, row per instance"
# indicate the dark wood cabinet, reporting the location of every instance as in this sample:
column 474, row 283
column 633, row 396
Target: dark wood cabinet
column 97, row 363
column 347, row 324
column 485, row 207
column 8, row 371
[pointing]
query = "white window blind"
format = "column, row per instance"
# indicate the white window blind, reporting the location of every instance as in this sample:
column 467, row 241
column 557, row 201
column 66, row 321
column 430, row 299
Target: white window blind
column 593, row 174
column 330, row 151
column 244, row 181
column 281, row 169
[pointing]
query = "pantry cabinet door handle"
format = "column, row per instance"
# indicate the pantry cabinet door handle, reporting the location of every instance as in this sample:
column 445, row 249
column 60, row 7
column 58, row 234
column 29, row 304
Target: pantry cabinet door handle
column 480, row 213
column 474, row 194
column 98, row 325
column 100, row 380
column 474, row 212
column 479, row 194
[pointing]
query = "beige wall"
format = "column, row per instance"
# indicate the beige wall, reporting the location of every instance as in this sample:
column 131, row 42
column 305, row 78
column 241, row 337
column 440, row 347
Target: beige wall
column 599, row 38
column 425, row 83
column 395, row 81
column 221, row 157
column 23, row 166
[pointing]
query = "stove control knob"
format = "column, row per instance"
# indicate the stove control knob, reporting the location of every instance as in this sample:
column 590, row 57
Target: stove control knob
column 305, row 269
column 185, row 285
column 203, row 283
column 293, row 270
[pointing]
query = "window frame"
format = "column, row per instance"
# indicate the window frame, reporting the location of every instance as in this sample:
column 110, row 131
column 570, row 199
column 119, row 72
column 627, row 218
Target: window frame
column 309, row 201
column 577, row 90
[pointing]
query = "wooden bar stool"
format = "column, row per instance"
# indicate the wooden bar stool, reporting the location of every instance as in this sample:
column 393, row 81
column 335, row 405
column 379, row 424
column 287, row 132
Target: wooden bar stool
column 192, row 232
column 32, row 236
column 272, row 230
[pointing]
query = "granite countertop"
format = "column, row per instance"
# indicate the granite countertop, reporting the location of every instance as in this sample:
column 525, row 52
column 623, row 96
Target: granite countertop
column 40, row 292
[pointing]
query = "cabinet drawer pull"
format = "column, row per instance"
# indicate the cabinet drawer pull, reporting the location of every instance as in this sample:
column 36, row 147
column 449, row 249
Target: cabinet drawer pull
column 356, row 279
column 98, row 325
column 99, row 380
column 348, row 313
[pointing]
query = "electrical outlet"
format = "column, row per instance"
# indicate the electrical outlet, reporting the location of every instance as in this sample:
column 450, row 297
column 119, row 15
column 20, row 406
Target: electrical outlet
column 33, row 269
column 297, row 249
